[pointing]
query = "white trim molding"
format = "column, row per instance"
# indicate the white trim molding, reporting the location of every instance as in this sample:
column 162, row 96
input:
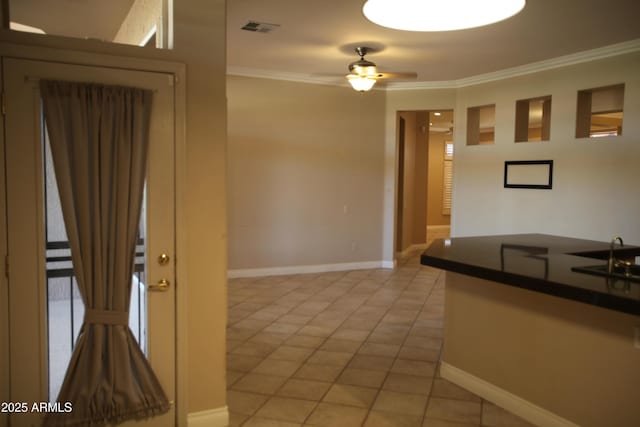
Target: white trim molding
column 306, row 269
column 390, row 265
column 550, row 64
column 438, row 232
column 413, row 248
column 503, row 398
column 535, row 67
column 218, row 417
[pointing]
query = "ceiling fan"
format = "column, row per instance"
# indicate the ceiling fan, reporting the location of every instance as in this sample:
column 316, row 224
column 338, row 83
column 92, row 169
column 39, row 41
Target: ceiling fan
column 363, row 73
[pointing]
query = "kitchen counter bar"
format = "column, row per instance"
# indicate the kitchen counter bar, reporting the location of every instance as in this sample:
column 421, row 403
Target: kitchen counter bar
column 524, row 331
column 540, row 263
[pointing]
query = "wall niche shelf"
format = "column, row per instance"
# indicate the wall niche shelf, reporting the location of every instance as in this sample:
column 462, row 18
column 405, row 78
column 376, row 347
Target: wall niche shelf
column 481, row 125
column 599, row 112
column 533, row 119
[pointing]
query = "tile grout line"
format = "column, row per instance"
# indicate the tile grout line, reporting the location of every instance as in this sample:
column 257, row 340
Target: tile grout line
column 396, row 356
column 317, row 348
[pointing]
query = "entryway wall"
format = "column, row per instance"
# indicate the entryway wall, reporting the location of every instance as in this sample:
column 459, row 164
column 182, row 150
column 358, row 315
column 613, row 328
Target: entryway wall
column 412, row 180
column 419, row 208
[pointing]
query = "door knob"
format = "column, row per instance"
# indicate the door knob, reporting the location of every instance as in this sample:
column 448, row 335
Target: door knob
column 162, row 286
column 163, row 259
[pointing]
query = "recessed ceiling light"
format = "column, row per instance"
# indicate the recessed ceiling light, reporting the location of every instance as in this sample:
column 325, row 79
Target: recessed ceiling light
column 437, row 113
column 439, row 15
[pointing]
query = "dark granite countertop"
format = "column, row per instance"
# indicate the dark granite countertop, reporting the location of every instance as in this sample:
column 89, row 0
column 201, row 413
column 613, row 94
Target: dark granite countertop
column 540, row 263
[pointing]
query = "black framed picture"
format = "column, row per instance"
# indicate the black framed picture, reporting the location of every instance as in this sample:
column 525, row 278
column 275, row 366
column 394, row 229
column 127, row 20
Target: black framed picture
column 536, row 174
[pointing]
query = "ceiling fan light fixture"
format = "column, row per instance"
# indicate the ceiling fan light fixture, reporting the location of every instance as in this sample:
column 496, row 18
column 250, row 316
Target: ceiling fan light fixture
column 439, row 15
column 361, row 83
column 366, row 70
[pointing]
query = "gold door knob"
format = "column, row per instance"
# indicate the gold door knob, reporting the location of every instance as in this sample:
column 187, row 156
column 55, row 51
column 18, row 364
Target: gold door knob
column 162, row 286
column 163, row 259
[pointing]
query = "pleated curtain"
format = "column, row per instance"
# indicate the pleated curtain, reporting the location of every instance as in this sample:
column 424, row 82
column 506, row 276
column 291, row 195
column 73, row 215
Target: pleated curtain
column 99, row 138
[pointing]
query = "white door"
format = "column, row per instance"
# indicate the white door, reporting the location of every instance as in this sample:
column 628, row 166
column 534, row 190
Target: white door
column 44, row 310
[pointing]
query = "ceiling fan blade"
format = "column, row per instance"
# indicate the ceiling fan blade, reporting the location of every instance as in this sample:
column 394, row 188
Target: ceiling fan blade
column 328, row 75
column 406, row 76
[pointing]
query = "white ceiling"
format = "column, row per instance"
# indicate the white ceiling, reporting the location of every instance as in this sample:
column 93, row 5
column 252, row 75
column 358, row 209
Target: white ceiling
column 317, row 37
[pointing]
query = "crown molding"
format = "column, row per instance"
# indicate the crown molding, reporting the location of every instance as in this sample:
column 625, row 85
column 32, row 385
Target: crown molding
column 623, row 48
column 534, row 67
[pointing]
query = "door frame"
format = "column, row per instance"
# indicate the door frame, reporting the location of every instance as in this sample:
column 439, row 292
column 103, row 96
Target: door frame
column 178, row 70
column 400, row 186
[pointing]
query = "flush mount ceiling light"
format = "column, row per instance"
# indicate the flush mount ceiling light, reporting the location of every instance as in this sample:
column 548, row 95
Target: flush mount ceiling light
column 439, row 15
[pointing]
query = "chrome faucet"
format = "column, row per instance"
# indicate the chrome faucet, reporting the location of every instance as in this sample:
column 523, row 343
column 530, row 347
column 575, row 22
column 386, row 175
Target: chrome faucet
column 612, row 261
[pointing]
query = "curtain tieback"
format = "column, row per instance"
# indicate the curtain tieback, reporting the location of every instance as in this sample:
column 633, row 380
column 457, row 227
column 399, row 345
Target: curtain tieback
column 106, row 317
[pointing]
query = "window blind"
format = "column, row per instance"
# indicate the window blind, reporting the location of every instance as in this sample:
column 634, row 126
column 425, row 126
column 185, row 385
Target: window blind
column 447, row 181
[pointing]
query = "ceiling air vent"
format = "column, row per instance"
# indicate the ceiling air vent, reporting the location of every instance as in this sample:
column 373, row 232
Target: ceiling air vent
column 259, row 27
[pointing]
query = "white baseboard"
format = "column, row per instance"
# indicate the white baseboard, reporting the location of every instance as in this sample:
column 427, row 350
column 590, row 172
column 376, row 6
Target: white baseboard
column 509, row 401
column 306, row 269
column 390, row 265
column 438, row 231
column 218, row 417
column 412, row 248
column 438, row 227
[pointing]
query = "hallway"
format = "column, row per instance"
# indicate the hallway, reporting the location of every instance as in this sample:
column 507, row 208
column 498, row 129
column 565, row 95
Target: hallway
column 358, row 348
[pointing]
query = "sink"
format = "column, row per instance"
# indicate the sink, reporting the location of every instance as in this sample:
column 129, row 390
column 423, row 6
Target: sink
column 629, row 273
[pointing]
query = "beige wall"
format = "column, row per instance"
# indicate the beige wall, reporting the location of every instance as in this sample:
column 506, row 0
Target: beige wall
column 573, row 359
column 593, row 180
column 199, row 41
column 484, row 207
column 305, row 174
column 200, row 44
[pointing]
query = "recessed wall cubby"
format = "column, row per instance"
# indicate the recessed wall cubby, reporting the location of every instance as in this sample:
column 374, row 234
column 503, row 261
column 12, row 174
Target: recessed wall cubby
column 533, row 119
column 481, row 125
column 599, row 112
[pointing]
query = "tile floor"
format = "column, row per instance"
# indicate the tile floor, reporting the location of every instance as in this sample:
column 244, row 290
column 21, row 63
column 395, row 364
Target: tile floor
column 358, row 348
